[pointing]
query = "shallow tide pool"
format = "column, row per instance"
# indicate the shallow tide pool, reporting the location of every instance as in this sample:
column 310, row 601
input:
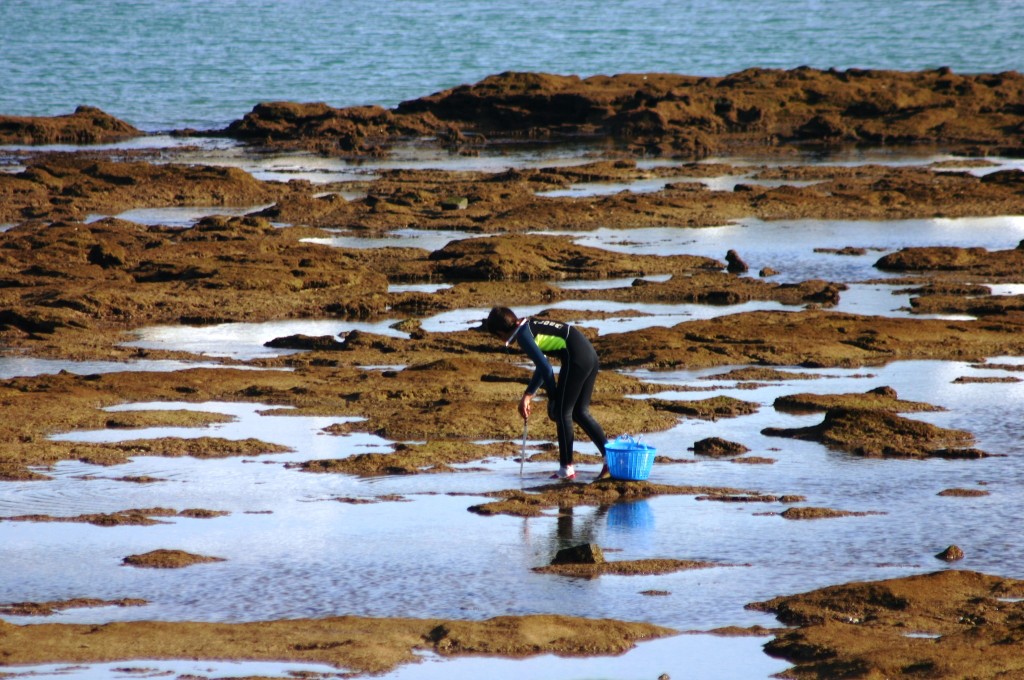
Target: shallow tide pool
column 295, row 546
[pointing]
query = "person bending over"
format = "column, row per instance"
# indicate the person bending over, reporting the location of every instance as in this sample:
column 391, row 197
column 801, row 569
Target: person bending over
column 569, row 399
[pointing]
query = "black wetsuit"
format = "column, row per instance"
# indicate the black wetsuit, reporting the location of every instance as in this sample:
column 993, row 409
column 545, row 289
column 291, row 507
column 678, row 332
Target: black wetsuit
column 569, row 400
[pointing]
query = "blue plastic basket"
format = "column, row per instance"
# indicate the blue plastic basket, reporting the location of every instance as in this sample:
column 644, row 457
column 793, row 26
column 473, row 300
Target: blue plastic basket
column 629, row 459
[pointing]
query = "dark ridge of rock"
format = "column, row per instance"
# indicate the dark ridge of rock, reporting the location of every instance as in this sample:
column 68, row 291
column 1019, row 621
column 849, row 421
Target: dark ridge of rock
column 670, row 114
column 712, row 408
column 526, row 257
column 87, row 125
column 881, row 398
column 978, row 261
column 306, row 342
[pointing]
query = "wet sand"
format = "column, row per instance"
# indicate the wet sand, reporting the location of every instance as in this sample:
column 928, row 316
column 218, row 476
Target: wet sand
column 78, row 287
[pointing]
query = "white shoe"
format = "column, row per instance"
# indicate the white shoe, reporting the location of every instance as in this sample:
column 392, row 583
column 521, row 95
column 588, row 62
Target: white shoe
column 567, row 473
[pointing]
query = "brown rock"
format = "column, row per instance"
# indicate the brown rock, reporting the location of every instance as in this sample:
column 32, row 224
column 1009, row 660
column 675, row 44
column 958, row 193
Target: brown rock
column 586, row 553
column 167, row 559
column 716, row 446
column 645, row 567
column 821, row 513
column 951, row 554
column 87, row 125
column 879, row 433
column 968, row 625
column 735, row 263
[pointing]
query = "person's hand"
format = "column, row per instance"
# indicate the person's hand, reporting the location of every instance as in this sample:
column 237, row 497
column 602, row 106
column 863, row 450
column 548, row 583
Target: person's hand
column 524, row 406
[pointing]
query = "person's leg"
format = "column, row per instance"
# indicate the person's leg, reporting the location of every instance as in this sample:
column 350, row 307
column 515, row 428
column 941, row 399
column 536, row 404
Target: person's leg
column 561, row 410
column 581, row 411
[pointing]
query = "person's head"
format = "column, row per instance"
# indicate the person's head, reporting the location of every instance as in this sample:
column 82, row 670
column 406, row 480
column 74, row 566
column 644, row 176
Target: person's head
column 501, row 322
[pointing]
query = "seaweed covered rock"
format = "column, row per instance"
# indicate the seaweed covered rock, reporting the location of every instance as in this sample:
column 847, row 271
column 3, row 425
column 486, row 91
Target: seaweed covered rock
column 870, row 432
column 947, row 624
column 87, row 125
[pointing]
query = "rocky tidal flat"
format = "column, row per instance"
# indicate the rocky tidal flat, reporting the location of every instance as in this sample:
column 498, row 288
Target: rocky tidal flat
column 766, row 149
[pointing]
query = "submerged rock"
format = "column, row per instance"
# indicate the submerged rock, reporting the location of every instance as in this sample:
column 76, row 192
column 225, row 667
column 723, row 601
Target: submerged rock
column 167, row 559
column 645, row 567
column 951, row 554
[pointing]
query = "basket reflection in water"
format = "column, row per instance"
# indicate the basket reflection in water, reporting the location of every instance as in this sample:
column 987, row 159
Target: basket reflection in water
column 629, row 459
column 632, row 515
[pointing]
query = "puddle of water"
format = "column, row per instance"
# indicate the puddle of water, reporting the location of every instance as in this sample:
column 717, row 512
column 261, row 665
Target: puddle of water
column 162, row 668
column 644, row 186
column 650, row 314
column 1006, row 288
column 409, row 558
column 283, row 167
column 179, row 216
column 688, row 656
column 704, row 656
column 896, row 158
column 245, row 341
column 169, row 142
column 400, row 238
column 18, row 366
column 609, row 284
column 418, row 287
column 789, row 246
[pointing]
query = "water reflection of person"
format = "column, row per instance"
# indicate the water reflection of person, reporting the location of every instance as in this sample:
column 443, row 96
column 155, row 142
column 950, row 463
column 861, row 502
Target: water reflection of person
column 569, row 399
column 567, row 534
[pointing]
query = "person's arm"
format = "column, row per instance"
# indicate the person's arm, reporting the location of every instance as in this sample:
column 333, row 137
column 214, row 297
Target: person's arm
column 542, row 373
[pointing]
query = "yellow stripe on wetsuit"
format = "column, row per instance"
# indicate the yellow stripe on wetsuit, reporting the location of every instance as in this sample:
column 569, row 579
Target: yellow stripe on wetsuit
column 549, row 343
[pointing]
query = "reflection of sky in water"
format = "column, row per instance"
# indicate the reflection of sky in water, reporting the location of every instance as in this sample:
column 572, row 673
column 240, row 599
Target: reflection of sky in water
column 179, row 216
column 246, row 340
column 409, row 558
column 1007, row 288
column 13, row 366
column 788, row 246
column 650, row 314
column 181, row 144
column 895, row 158
column 645, row 186
column 293, row 551
column 608, row 284
column 283, row 167
column 156, row 668
column 418, row 287
column 689, row 656
column 400, row 238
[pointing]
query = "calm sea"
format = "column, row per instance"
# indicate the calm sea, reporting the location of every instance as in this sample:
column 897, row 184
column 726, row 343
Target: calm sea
column 163, row 64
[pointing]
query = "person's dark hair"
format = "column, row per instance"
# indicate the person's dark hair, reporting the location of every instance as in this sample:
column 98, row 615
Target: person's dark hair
column 501, row 321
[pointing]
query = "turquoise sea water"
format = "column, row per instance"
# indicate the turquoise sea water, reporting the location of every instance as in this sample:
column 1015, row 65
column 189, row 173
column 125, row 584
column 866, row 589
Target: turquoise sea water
column 165, row 64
